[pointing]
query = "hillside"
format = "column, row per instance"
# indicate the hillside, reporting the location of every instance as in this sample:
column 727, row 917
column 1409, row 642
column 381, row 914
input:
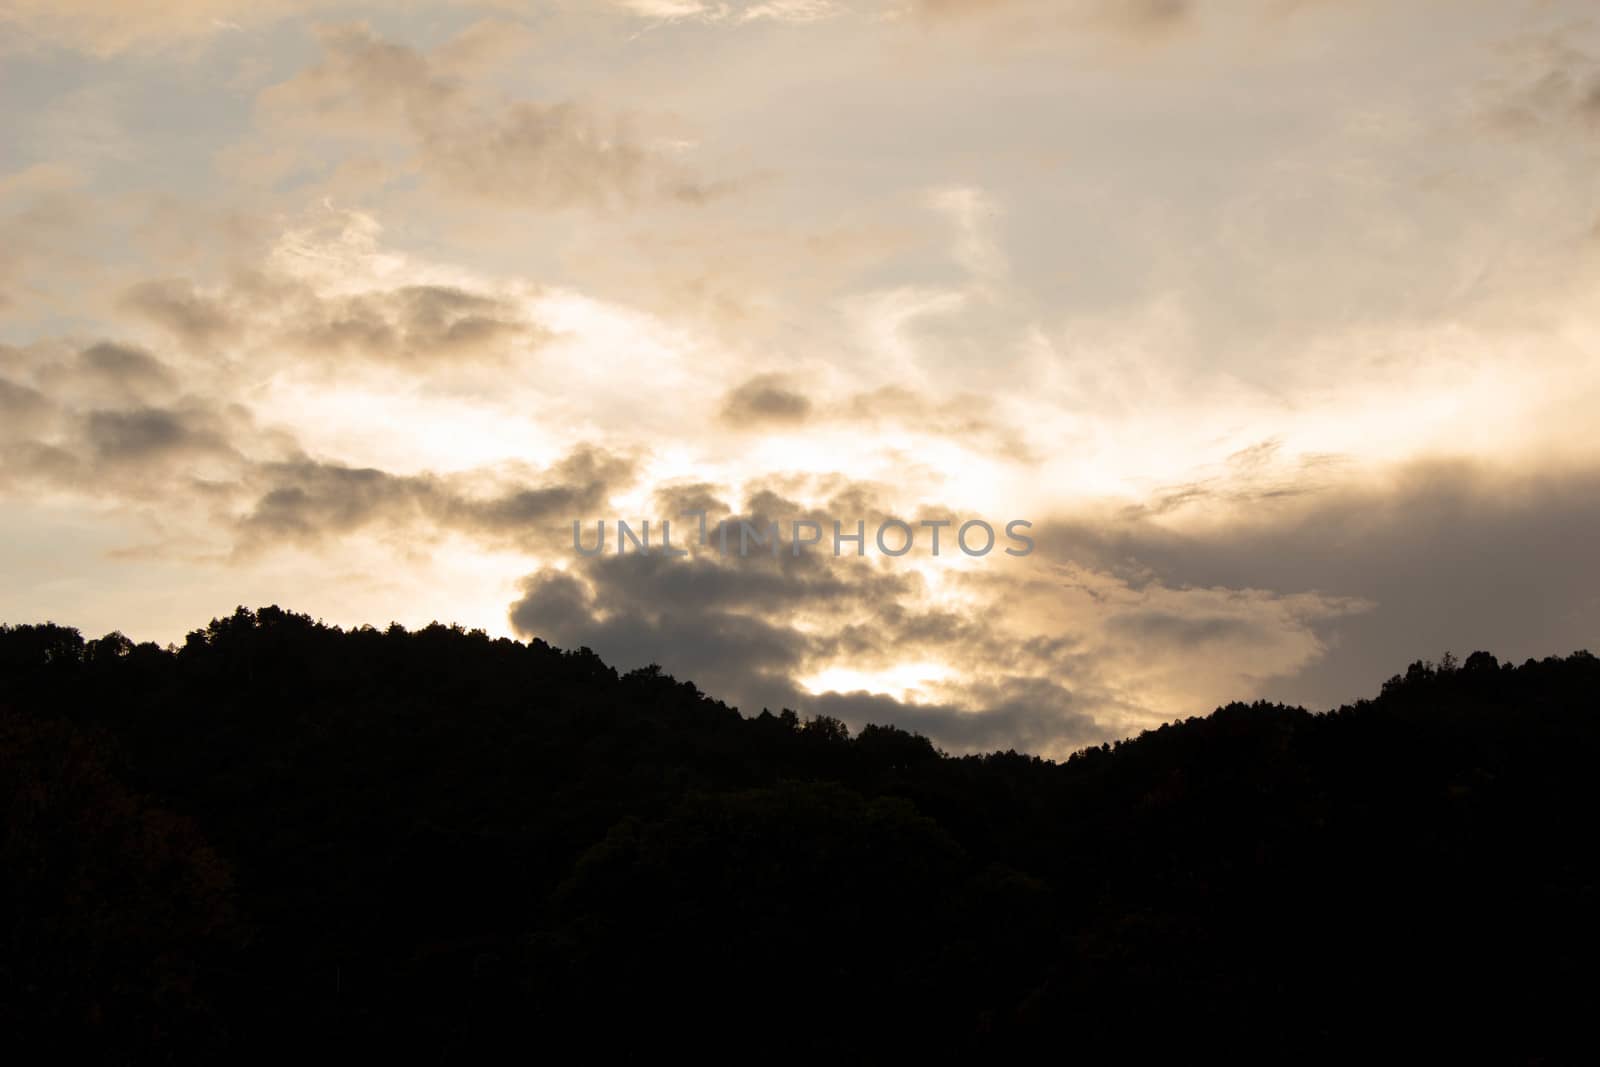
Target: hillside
column 285, row 837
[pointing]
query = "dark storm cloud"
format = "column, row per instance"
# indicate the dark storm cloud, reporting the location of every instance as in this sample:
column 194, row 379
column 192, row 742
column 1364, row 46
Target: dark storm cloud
column 747, row 629
column 705, row 583
column 733, row 625
column 1452, row 556
column 742, row 656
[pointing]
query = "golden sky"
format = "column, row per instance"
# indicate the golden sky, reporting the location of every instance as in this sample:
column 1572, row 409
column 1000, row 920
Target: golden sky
column 1276, row 318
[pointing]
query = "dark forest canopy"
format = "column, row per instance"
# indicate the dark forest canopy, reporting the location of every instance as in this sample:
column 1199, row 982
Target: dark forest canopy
column 431, row 845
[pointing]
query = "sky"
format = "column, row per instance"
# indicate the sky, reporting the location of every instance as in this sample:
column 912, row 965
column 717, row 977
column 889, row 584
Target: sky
column 1275, row 319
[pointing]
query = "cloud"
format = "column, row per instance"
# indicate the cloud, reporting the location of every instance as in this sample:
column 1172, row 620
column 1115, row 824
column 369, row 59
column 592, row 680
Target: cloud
column 978, row 422
column 42, row 214
column 776, row 402
column 675, row 500
column 1134, row 18
column 311, row 502
column 745, row 656
column 1166, row 628
column 106, row 374
column 747, row 631
column 1548, row 83
column 959, row 8
column 1032, row 715
column 766, row 398
column 1050, row 656
column 22, row 410
column 414, row 323
column 741, row 628
column 971, row 212
column 112, row 421
column 109, row 401
column 1448, row 554
column 578, row 484
column 548, row 154
column 176, row 304
column 1222, row 318
column 106, row 29
column 145, row 434
column 735, row 11
column 126, row 371
column 416, row 326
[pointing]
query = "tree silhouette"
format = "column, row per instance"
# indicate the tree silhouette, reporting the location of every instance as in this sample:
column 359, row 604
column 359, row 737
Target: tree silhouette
column 431, row 844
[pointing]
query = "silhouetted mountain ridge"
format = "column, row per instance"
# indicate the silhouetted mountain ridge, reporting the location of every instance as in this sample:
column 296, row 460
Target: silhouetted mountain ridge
column 435, row 845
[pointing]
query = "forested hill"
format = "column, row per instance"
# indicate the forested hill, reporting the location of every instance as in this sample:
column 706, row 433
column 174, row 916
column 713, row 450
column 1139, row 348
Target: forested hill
column 283, row 839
